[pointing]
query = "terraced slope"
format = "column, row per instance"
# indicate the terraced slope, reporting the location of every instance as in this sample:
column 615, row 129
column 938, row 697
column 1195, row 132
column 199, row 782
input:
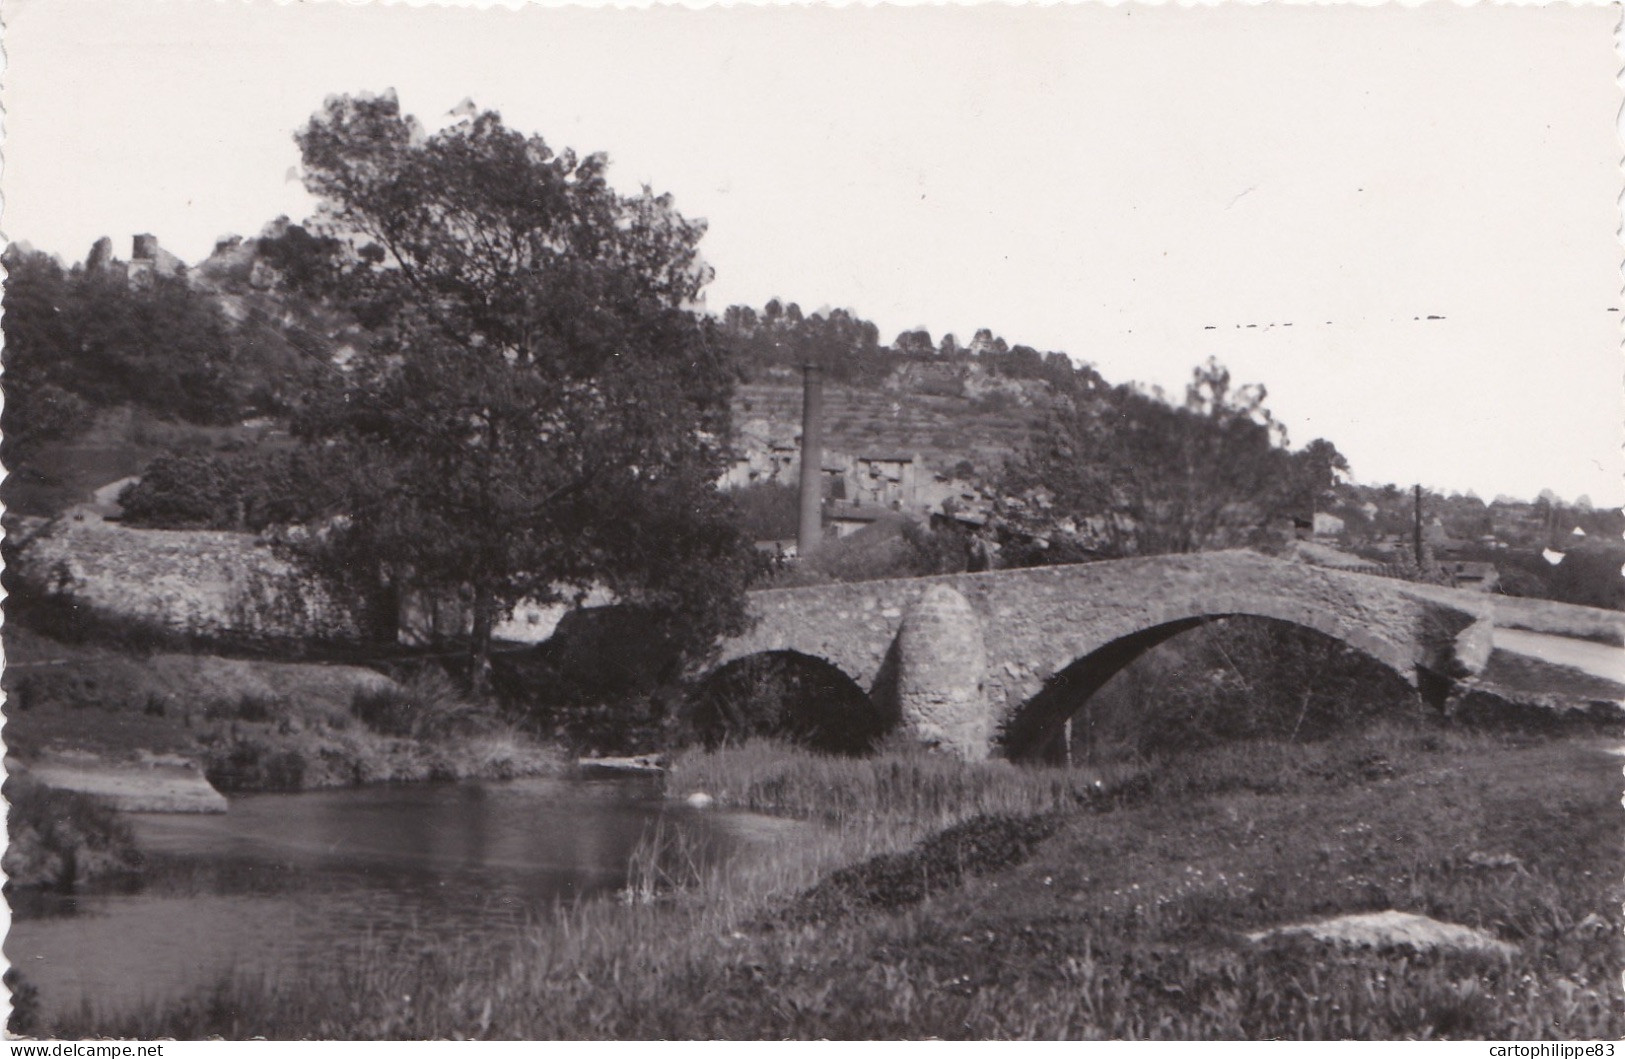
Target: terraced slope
column 940, row 430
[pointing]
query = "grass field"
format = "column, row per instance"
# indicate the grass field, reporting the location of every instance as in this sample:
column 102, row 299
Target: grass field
column 985, row 901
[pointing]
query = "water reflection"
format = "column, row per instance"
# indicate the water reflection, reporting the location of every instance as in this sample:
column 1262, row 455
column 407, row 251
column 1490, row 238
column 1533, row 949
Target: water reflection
column 282, row 879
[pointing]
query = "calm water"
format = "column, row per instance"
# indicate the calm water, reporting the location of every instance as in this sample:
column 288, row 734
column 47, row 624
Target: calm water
column 283, row 879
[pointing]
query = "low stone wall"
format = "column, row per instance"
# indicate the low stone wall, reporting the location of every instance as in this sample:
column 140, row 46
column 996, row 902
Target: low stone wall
column 213, row 585
column 1559, row 619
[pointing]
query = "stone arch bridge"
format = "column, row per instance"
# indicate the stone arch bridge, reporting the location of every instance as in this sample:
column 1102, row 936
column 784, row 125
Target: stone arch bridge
column 995, row 662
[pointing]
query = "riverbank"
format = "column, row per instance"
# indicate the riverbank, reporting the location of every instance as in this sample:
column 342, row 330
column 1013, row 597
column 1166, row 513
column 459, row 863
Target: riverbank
column 950, row 900
column 101, row 719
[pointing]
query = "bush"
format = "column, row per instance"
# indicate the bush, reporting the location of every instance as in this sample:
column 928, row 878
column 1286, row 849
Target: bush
column 247, row 764
column 246, row 489
column 63, row 839
column 426, row 706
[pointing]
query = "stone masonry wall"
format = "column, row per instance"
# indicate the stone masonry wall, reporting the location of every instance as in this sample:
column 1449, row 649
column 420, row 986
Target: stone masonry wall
column 196, row 582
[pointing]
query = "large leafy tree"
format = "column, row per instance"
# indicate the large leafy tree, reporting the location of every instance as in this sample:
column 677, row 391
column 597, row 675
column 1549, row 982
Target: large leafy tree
column 538, row 407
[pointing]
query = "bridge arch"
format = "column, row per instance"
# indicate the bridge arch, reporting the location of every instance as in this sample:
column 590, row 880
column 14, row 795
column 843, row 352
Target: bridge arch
column 791, row 695
column 1078, row 668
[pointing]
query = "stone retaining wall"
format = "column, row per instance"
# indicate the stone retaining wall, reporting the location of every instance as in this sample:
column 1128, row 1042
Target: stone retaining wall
column 207, row 584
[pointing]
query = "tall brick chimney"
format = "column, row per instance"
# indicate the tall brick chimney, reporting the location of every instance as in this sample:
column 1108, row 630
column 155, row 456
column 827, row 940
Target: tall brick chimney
column 811, row 527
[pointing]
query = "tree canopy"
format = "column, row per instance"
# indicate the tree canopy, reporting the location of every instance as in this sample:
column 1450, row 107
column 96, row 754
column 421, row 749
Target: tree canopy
column 1148, row 477
column 89, row 337
column 537, row 409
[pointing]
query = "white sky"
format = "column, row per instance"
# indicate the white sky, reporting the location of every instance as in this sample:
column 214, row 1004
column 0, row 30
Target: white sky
column 1104, row 181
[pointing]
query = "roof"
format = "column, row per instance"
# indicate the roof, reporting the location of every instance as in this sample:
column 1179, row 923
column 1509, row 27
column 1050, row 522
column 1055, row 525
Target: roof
column 845, row 511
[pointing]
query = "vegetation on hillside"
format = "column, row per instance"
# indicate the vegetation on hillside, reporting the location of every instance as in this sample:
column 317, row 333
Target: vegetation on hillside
column 83, row 339
column 1138, row 476
column 847, row 348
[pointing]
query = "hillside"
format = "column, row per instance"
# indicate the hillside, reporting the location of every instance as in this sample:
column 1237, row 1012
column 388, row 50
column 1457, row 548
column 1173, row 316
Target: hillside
column 942, row 431
column 216, row 358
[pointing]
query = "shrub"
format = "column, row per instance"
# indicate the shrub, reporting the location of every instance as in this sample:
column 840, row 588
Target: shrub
column 426, row 706
column 62, row 839
column 246, row 489
column 252, row 706
column 248, row 764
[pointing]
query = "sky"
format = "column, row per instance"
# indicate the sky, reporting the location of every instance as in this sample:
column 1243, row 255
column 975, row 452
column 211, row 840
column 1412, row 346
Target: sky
column 1402, row 221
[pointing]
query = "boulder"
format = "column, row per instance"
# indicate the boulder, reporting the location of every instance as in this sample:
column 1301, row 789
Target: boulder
column 1393, row 930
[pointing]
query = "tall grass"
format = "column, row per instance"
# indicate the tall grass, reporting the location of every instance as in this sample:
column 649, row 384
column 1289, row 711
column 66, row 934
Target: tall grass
column 929, row 789
column 668, row 859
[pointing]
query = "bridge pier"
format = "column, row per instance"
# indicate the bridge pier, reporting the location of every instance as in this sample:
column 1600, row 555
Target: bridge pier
column 941, row 665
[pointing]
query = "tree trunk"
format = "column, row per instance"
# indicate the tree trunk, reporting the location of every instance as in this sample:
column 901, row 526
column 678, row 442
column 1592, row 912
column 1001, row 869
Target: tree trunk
column 479, row 644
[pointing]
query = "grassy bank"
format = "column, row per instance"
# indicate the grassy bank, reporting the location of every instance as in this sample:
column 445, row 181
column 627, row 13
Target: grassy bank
column 957, row 901
column 254, row 724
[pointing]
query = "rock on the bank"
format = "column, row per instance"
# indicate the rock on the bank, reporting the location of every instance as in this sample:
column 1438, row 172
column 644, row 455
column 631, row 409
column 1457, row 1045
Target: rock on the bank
column 152, row 786
column 1393, row 930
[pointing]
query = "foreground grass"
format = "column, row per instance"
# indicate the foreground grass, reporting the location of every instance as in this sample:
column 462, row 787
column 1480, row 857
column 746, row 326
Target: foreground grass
column 1061, row 905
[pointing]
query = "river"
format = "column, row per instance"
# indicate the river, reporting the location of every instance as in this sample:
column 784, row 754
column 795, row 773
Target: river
column 284, row 879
